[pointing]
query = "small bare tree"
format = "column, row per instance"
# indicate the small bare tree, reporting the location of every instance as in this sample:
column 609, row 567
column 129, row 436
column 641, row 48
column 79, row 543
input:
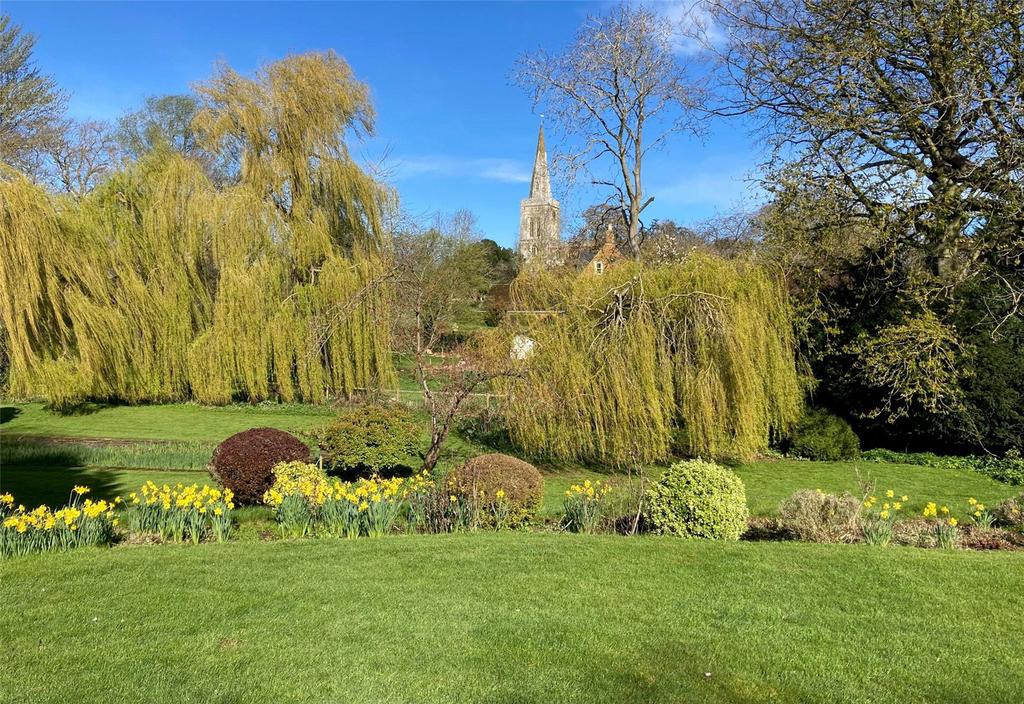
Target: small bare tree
column 472, row 369
column 622, row 89
column 437, row 278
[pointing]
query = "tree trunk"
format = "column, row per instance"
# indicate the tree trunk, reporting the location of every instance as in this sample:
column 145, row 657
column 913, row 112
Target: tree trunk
column 430, row 459
column 437, row 437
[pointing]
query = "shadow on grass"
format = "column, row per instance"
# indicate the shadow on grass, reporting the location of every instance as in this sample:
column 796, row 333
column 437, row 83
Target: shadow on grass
column 659, row 671
column 50, row 474
column 85, row 408
column 52, row 485
column 39, row 471
column 8, row 413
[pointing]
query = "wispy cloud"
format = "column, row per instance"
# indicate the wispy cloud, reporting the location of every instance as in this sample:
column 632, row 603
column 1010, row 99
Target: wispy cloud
column 692, row 23
column 445, row 166
column 720, row 182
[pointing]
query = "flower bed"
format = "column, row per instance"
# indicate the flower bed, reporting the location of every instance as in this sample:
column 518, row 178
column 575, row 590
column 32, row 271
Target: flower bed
column 81, row 523
column 881, row 522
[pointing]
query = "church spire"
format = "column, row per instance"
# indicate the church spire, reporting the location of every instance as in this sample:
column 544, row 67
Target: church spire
column 539, row 229
column 540, row 184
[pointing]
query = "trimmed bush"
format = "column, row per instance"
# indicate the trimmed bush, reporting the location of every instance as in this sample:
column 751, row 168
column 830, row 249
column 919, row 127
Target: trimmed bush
column 374, row 437
column 818, row 517
column 697, row 499
column 245, row 461
column 822, row 436
column 482, row 477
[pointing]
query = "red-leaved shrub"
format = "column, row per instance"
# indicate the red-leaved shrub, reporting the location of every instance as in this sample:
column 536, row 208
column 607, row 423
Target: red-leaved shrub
column 245, row 461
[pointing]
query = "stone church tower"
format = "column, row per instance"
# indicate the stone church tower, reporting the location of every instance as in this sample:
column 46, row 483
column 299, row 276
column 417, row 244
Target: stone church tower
column 538, row 214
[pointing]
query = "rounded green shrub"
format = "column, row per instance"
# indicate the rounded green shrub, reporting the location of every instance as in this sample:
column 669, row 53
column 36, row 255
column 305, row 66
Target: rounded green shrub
column 822, row 436
column 481, row 478
column 373, row 437
column 697, row 499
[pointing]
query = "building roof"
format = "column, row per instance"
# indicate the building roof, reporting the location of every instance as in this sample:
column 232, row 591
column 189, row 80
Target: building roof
column 608, row 252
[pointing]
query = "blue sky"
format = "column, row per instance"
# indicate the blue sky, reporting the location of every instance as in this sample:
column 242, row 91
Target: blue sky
column 456, row 133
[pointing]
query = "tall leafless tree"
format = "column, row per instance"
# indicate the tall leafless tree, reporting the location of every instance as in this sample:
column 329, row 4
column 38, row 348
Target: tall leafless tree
column 621, row 89
column 31, row 104
column 914, row 109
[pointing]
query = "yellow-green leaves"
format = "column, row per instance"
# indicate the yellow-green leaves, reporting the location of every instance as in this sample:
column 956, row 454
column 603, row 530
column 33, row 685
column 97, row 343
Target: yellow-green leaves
column 633, row 365
column 283, row 133
column 163, row 285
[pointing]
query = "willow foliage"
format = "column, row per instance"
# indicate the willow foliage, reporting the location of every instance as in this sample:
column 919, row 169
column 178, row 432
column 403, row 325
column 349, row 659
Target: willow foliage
column 161, row 285
column 640, row 363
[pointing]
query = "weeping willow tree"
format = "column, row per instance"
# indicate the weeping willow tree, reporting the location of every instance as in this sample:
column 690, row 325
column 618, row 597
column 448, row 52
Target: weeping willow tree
column 162, row 285
column 642, row 363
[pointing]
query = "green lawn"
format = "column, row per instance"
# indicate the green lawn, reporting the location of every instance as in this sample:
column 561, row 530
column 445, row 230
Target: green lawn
column 508, row 617
column 513, row 617
column 768, row 483
column 175, row 421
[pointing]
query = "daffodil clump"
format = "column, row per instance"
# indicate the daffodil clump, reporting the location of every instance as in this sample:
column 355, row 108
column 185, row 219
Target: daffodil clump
column 438, row 507
column 306, row 502
column 943, row 524
column 82, row 522
column 583, row 506
column 501, row 509
column 181, row 512
column 982, row 516
column 878, row 520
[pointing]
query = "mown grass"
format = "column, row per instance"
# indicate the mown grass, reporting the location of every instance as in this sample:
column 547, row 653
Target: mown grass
column 769, row 482
column 513, row 617
column 41, row 452
column 173, row 421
